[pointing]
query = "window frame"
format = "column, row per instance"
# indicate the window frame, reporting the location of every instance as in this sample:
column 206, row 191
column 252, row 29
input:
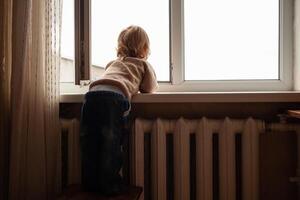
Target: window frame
column 82, row 41
column 177, row 82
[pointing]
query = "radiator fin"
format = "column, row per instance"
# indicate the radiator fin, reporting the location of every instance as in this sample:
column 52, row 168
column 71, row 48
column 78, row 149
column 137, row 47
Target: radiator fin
column 72, row 128
column 181, row 161
column 204, row 129
column 158, row 156
column 204, row 161
column 250, row 153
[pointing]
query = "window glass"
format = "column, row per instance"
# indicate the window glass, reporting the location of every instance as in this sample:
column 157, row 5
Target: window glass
column 109, row 18
column 231, row 40
column 67, row 69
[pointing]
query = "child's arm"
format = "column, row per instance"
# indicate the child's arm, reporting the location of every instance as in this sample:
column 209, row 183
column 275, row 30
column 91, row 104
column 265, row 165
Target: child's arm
column 149, row 83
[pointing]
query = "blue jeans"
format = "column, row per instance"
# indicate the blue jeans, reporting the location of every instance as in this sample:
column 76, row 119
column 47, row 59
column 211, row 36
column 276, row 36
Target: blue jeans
column 102, row 122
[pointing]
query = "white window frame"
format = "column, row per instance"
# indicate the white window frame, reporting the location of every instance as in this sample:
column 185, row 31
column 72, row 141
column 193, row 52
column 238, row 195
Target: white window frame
column 177, row 82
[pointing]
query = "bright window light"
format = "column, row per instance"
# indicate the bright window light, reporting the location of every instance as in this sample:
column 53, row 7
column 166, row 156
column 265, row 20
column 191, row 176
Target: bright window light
column 231, row 40
column 109, row 18
column 67, row 69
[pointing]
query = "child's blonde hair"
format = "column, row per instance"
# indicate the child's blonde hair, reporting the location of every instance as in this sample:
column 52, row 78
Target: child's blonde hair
column 133, row 42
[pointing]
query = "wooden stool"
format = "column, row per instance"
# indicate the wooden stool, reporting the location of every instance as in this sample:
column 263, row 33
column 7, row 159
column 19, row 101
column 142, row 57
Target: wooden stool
column 74, row 192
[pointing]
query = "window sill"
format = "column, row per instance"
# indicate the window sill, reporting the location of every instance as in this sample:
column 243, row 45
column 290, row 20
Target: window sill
column 194, row 97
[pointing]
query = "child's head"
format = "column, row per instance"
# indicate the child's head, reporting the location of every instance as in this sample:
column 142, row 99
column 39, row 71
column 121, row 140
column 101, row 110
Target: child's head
column 133, row 42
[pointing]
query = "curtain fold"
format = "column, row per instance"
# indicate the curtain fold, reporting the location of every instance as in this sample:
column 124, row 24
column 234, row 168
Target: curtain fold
column 5, row 72
column 34, row 99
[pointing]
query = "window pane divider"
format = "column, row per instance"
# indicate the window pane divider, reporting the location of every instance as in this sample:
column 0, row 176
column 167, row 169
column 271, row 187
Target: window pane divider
column 82, row 41
column 177, row 33
column 286, row 41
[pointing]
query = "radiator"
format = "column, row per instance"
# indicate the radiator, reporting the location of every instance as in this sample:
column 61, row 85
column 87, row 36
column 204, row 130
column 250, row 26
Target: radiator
column 70, row 152
column 204, row 131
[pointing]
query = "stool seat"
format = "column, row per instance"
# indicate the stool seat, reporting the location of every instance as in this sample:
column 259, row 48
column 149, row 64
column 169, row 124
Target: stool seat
column 75, row 192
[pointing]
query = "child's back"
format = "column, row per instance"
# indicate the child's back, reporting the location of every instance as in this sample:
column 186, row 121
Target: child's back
column 130, row 75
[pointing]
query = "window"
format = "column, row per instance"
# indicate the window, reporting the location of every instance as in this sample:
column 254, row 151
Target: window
column 67, row 69
column 196, row 45
column 152, row 15
column 240, row 41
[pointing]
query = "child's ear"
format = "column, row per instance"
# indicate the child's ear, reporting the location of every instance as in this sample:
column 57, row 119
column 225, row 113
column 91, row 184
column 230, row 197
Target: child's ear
column 146, row 52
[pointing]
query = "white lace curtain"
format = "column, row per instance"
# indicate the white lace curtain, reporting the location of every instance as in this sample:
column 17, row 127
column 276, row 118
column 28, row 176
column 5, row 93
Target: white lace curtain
column 31, row 91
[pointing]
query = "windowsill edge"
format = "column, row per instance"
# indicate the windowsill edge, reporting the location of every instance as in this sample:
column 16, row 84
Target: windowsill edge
column 201, row 97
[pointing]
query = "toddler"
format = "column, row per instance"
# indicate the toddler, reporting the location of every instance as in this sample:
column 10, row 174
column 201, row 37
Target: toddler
column 106, row 104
